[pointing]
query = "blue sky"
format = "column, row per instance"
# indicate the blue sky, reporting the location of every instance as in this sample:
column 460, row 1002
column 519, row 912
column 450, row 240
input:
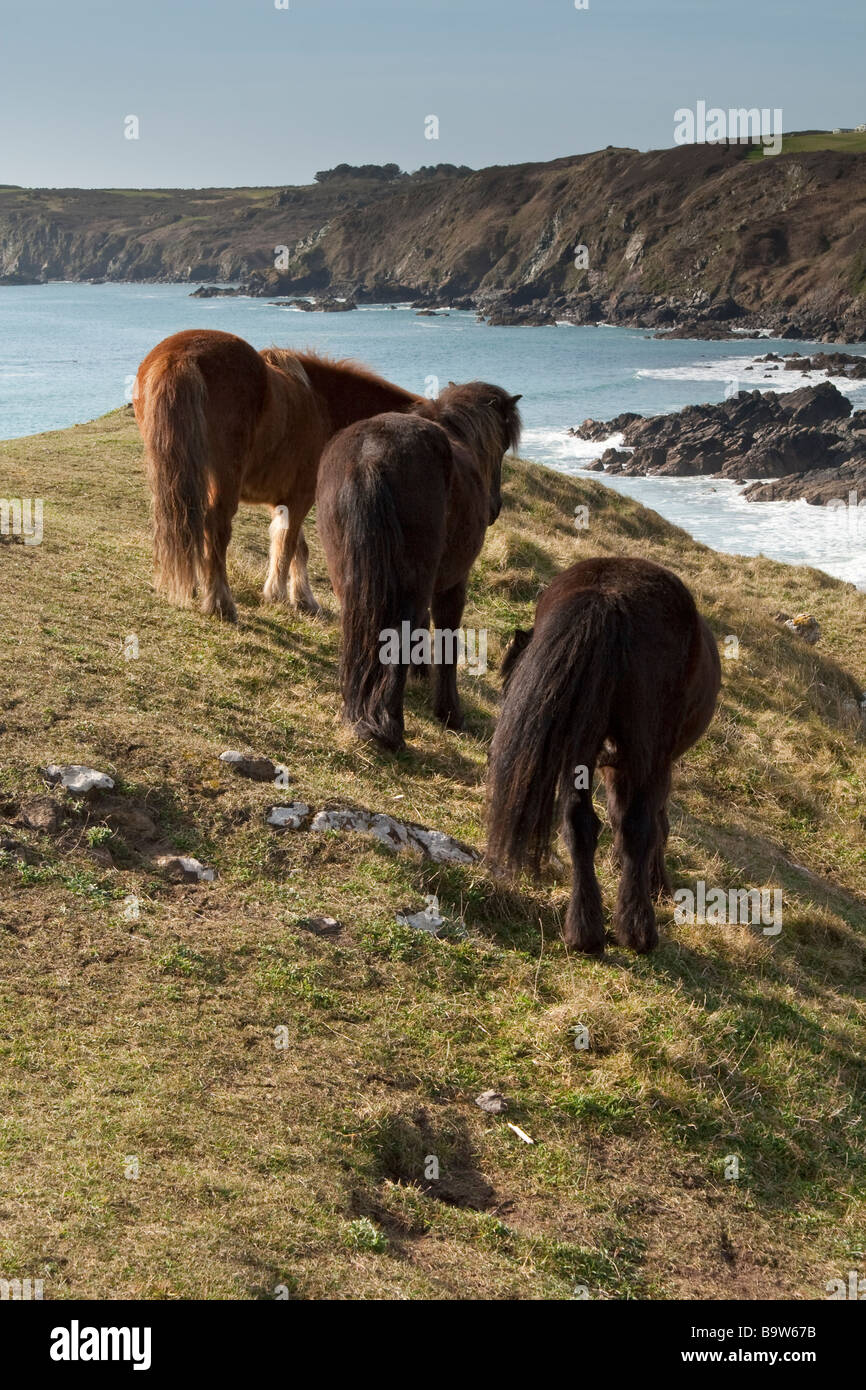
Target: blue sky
column 239, row 92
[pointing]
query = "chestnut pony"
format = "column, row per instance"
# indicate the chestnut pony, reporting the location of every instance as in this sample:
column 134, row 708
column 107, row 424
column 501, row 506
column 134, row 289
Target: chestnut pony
column 402, row 506
column 620, row 672
column 224, row 424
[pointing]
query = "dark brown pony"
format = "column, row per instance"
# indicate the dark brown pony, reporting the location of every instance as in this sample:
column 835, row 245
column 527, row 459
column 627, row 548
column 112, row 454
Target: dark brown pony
column 223, row 424
column 621, row 672
column 402, row 506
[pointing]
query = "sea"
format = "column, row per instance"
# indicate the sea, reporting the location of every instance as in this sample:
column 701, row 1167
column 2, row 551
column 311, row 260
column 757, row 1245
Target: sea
column 69, row 352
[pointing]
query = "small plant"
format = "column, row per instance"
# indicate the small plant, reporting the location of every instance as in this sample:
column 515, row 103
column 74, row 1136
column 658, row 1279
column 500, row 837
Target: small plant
column 363, row 1234
column 192, row 965
column 99, row 835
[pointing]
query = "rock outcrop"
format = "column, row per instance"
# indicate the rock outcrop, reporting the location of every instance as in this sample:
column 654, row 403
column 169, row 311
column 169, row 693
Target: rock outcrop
column 809, row 439
column 839, row 364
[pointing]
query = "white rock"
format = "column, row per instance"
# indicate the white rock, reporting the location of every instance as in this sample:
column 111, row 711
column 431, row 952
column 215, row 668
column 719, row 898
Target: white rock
column 426, row 920
column 392, row 833
column 77, row 778
column 192, row 869
column 441, row 847
column 493, row 1102
column 340, row 820
column 396, row 835
column 289, row 817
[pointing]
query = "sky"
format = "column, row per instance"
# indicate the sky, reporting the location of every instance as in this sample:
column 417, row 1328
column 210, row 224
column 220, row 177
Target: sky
column 240, row 92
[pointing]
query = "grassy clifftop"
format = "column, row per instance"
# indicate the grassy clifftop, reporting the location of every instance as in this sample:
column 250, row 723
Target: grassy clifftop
column 307, row 1165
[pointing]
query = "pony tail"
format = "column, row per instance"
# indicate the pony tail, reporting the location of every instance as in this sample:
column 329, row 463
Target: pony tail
column 554, row 719
column 373, row 601
column 174, row 428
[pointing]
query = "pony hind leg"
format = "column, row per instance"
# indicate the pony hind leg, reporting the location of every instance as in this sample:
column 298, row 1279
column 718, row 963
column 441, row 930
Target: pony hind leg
column 584, row 921
column 279, row 555
column 660, row 882
column 301, row 595
column 214, row 592
column 420, row 670
column 287, row 579
column 447, row 617
column 287, row 563
column 634, row 808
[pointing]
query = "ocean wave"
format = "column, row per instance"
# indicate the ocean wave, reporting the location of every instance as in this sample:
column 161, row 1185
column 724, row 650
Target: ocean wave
column 557, row 446
column 729, row 369
column 716, row 512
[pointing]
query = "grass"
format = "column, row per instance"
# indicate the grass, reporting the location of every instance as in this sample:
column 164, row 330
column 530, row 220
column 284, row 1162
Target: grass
column 202, row 1098
column 846, row 142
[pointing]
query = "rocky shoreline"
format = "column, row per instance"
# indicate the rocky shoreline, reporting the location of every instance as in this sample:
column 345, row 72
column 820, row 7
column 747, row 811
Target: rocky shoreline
column 699, row 318
column 807, row 443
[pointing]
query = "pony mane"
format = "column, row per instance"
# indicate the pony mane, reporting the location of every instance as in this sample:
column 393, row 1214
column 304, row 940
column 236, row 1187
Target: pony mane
column 314, row 363
column 286, row 361
column 482, row 416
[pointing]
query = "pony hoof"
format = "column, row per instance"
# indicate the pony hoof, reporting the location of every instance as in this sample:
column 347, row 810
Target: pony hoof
column 307, row 605
column 387, row 739
column 586, row 937
column 587, row 948
column 639, row 934
column 223, row 609
column 451, row 719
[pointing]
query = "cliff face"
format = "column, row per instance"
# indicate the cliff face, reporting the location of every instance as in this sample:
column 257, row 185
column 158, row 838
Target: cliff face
column 706, row 232
column 159, row 234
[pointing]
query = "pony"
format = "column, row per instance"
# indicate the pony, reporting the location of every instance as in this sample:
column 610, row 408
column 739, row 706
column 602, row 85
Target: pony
column 620, row 672
column 402, row 506
column 224, row 424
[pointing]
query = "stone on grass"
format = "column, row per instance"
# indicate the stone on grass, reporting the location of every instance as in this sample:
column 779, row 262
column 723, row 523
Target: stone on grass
column 804, row 626
column 256, row 769
column 441, row 847
column 75, row 777
column 492, row 1101
column 427, row 920
column 186, row 869
column 321, row 926
column 397, row 835
column 289, row 817
column 41, row 813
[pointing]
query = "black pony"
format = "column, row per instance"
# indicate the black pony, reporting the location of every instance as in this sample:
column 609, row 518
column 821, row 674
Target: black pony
column 403, row 505
column 622, row 673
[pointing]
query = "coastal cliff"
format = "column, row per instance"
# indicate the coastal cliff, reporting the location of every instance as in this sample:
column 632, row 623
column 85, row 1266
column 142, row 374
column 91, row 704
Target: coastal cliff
column 705, row 236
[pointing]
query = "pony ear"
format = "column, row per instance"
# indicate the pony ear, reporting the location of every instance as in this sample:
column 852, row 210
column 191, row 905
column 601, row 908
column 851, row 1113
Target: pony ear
column 515, row 399
column 519, row 642
column 452, row 383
